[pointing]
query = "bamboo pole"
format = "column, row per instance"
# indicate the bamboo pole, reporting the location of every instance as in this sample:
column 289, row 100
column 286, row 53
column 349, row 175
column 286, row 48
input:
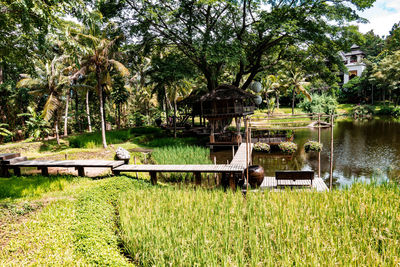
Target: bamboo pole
column 247, row 155
column 319, row 141
column 331, row 157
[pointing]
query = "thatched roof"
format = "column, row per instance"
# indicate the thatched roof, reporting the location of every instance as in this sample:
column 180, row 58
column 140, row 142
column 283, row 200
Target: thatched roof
column 226, row 92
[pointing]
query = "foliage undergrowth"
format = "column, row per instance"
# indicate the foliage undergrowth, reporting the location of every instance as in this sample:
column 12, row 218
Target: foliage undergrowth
column 96, row 226
column 93, row 140
column 320, row 104
column 180, row 155
column 352, row 227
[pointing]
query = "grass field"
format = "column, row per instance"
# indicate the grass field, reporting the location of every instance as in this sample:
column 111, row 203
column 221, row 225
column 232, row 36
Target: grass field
column 166, row 226
column 121, row 221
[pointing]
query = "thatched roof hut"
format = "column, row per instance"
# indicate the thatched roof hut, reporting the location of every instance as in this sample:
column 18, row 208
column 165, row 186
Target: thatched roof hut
column 225, row 101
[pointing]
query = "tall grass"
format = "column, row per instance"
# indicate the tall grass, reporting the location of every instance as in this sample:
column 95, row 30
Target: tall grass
column 357, row 226
column 93, row 140
column 180, row 155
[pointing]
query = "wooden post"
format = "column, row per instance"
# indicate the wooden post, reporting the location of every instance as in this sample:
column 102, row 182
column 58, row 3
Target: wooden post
column 4, row 171
column 153, row 178
column 233, row 151
column 81, row 171
column 197, row 176
column 319, row 141
column 331, row 157
column 250, row 142
column 247, row 154
column 232, row 183
column 45, row 171
column 134, row 160
column 17, row 171
column 215, row 174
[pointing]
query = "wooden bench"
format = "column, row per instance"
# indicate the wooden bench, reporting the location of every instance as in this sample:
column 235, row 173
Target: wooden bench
column 195, row 169
column 294, row 176
column 79, row 165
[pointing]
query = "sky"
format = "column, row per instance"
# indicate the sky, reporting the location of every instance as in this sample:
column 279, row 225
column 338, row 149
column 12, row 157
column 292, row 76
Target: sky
column 381, row 17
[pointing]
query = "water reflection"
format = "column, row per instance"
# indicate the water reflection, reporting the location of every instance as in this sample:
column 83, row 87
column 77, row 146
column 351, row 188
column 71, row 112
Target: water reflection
column 363, row 150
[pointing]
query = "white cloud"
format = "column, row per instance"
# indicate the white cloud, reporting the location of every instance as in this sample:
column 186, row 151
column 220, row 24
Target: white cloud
column 381, row 17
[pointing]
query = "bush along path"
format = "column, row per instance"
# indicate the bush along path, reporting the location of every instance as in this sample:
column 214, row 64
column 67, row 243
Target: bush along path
column 79, row 227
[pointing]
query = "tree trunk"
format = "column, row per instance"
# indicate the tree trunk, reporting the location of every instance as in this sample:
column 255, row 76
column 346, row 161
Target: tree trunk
column 88, row 111
column 77, row 111
column 174, row 118
column 166, row 110
column 119, row 116
column 277, row 100
column 56, row 128
column 293, row 96
column 66, row 115
column 372, row 95
column 1, row 74
column 103, row 125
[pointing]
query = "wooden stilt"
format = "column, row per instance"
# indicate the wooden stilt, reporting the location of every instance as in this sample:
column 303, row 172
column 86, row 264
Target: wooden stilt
column 17, row 171
column 319, row 141
column 81, row 171
column 197, row 176
column 331, row 157
column 153, row 178
column 45, row 171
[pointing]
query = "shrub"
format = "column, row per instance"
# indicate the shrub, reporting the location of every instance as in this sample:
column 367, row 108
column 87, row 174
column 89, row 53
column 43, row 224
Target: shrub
column 288, row 147
column 259, row 146
column 320, row 104
column 93, row 140
column 389, row 111
column 360, row 111
column 313, row 146
column 396, row 112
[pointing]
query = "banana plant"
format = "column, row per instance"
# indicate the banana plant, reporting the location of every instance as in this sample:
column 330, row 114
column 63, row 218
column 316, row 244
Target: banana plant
column 49, row 81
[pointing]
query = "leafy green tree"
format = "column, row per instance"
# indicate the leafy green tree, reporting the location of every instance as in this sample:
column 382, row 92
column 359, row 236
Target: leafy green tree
column 393, row 40
column 246, row 37
column 119, row 95
column 373, row 44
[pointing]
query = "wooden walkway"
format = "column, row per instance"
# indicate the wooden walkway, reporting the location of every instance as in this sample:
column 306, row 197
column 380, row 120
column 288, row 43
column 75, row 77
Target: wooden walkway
column 227, row 169
column 79, row 165
column 318, row 184
column 208, row 168
column 240, row 156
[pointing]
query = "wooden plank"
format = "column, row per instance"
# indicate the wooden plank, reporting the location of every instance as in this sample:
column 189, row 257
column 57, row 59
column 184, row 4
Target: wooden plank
column 210, row 168
column 69, row 163
column 6, row 156
column 14, row 160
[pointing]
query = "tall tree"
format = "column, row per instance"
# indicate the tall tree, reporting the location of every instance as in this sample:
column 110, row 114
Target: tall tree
column 99, row 59
column 246, row 36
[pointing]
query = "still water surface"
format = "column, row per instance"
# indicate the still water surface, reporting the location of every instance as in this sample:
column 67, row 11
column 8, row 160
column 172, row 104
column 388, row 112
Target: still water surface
column 363, row 150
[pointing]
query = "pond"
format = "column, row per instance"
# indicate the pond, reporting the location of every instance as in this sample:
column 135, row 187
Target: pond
column 363, row 150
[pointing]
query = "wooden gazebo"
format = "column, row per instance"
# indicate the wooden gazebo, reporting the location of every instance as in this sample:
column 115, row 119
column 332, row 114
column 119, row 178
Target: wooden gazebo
column 220, row 107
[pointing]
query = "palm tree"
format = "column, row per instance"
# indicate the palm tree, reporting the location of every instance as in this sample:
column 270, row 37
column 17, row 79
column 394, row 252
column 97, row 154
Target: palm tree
column 295, row 79
column 99, row 59
column 49, row 82
column 179, row 88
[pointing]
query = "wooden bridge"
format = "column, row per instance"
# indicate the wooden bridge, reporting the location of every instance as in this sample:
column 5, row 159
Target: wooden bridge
column 236, row 167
